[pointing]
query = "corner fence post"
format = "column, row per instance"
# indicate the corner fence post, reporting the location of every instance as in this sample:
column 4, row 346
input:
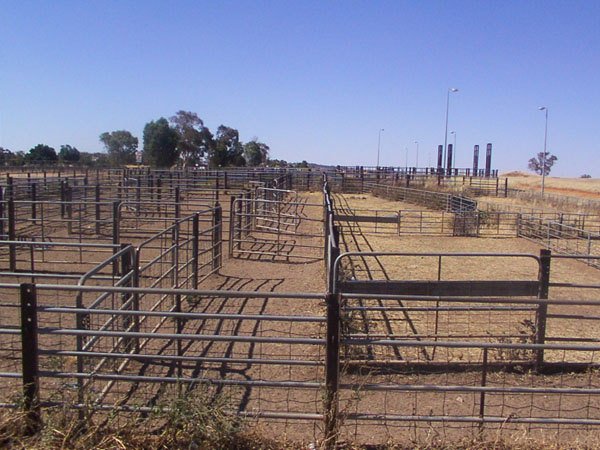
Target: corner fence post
column 542, row 310
column 29, row 356
column 332, row 369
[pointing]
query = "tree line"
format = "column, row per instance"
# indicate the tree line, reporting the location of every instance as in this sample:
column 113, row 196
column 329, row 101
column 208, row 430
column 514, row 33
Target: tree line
column 182, row 141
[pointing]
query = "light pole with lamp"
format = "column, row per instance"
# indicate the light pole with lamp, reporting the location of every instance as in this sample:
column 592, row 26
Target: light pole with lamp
column 544, row 108
column 379, row 146
column 446, row 133
column 417, row 163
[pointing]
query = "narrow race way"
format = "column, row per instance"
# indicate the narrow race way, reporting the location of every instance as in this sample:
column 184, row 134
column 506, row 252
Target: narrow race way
column 353, row 239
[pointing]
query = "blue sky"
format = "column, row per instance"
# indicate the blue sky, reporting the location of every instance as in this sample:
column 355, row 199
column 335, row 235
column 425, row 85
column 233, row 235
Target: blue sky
column 315, row 80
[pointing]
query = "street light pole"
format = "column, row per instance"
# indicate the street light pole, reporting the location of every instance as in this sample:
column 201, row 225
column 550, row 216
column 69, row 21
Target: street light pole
column 417, row 163
column 544, row 108
column 446, row 132
column 379, row 146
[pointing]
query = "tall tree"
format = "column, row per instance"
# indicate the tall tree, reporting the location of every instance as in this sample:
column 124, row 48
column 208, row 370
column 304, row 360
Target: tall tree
column 255, row 153
column 195, row 140
column 228, row 149
column 6, row 156
column 40, row 153
column 536, row 164
column 121, row 146
column 68, row 154
column 160, row 143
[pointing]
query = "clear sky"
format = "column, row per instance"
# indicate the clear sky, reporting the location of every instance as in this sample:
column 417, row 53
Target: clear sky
column 314, row 80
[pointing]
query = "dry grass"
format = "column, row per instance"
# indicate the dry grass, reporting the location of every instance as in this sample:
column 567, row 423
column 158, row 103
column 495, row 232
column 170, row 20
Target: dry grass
column 190, row 426
column 186, row 423
column 581, row 187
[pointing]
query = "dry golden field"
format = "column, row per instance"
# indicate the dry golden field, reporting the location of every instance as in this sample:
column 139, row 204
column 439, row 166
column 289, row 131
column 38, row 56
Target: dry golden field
column 581, row 187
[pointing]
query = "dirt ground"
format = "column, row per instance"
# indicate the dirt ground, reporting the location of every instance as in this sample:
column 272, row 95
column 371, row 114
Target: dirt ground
column 251, row 273
column 488, row 326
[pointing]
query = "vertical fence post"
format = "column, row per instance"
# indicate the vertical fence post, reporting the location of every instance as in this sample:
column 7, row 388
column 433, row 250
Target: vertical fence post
column 158, row 194
column 326, row 234
column 333, row 255
column 542, row 310
column 97, row 201
column 33, row 202
column 484, row 369
column 126, row 269
column 29, row 356
column 332, row 369
column 177, row 199
column 62, row 197
column 115, row 225
column 138, row 195
column 2, row 209
column 115, row 233
column 216, row 236
column 179, row 323
column 69, row 207
column 195, row 232
column 231, row 223
column 248, row 220
column 12, row 235
column 85, row 193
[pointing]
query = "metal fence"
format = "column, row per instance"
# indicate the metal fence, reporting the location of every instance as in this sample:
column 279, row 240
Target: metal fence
column 274, row 225
column 219, row 344
column 559, row 237
column 379, row 356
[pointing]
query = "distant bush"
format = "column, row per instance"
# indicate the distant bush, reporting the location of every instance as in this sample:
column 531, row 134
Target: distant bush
column 585, row 175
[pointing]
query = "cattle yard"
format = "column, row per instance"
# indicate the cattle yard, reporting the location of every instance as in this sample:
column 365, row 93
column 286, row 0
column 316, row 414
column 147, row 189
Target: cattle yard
column 342, row 305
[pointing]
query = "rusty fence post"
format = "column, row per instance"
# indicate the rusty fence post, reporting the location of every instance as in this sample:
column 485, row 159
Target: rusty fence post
column 542, row 310
column 29, row 356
